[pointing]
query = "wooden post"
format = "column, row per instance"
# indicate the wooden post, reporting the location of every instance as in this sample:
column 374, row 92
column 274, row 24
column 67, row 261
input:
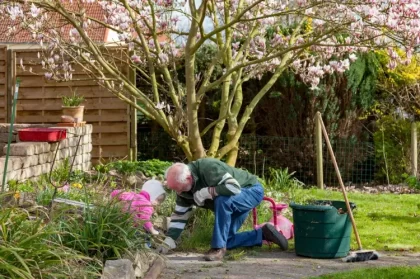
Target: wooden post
column 9, row 83
column 133, row 133
column 414, row 149
column 318, row 147
column 133, row 121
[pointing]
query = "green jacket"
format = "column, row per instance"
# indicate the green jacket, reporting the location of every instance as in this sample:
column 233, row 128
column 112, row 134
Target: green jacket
column 208, row 172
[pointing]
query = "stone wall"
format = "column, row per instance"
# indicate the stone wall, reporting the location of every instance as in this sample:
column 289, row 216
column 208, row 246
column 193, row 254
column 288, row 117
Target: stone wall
column 29, row 160
column 4, row 133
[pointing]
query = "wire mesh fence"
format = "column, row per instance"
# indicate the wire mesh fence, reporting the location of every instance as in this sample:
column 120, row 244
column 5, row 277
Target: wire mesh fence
column 357, row 160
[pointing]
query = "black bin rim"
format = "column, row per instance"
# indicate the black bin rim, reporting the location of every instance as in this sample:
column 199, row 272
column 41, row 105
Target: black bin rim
column 318, row 205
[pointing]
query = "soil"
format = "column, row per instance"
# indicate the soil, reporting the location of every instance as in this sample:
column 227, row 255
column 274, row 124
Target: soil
column 269, row 265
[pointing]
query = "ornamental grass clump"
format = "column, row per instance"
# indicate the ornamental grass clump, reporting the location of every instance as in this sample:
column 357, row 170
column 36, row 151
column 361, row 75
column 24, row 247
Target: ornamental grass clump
column 103, row 231
column 31, row 249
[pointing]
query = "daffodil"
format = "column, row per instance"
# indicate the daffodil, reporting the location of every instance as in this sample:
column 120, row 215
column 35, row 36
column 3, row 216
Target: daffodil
column 16, row 195
column 77, row 185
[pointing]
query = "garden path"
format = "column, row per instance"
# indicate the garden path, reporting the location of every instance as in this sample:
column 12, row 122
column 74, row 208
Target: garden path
column 267, row 265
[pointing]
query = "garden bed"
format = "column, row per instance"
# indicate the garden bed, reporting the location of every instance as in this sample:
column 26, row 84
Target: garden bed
column 78, row 223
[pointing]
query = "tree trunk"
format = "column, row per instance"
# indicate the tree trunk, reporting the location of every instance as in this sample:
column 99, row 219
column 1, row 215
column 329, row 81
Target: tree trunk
column 194, row 139
column 232, row 156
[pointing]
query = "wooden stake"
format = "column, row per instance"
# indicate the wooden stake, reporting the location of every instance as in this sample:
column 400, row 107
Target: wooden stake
column 318, row 148
column 414, row 149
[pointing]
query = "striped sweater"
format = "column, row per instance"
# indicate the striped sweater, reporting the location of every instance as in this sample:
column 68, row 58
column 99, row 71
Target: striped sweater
column 207, row 172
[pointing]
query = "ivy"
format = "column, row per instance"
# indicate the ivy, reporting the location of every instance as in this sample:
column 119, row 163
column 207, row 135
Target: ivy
column 362, row 79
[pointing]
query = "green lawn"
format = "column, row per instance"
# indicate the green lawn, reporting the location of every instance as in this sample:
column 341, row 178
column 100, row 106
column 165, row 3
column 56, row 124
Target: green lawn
column 385, row 221
column 402, row 272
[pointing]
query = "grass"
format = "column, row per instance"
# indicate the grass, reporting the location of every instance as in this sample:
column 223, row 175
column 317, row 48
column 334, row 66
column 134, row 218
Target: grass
column 198, row 234
column 402, row 272
column 385, row 221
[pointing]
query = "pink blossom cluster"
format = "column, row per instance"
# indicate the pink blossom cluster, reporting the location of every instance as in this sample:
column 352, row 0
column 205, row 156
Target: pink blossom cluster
column 314, row 38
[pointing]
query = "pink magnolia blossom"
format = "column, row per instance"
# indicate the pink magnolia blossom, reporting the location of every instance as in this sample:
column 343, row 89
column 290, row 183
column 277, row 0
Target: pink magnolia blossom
column 352, row 57
column 136, row 58
column 152, row 32
column 35, row 11
column 48, row 75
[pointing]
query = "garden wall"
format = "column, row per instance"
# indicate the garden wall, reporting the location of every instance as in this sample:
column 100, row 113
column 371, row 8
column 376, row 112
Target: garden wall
column 30, row 160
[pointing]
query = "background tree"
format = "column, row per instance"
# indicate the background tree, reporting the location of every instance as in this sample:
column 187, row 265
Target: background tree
column 251, row 38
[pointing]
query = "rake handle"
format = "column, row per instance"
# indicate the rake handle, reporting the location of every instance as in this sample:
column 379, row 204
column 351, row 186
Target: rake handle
column 340, row 180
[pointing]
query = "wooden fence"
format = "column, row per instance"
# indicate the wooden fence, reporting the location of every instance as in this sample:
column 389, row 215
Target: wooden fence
column 3, row 77
column 40, row 102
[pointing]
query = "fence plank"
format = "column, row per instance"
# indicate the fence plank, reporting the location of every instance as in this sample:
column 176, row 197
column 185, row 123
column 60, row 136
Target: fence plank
column 38, row 81
column 58, row 92
column 37, row 117
column 55, row 104
column 109, row 139
column 109, row 127
column 3, row 89
column 110, row 152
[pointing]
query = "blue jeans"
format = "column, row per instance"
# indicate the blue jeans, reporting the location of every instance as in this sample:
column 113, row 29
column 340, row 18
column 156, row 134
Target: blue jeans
column 230, row 212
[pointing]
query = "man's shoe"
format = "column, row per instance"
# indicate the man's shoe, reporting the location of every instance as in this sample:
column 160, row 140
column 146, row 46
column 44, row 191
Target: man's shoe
column 270, row 234
column 215, row 254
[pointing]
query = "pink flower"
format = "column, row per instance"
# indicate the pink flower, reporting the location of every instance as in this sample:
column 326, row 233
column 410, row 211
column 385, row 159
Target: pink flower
column 65, row 188
column 163, row 57
column 352, row 57
column 136, row 58
column 48, row 75
column 34, row 10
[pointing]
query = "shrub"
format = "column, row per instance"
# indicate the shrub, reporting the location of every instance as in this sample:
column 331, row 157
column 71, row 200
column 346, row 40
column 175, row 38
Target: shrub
column 25, row 186
column 392, row 147
column 411, row 181
column 149, row 168
column 124, row 167
column 153, row 167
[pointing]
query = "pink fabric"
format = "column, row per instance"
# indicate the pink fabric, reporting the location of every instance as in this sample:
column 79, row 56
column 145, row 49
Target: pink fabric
column 138, row 204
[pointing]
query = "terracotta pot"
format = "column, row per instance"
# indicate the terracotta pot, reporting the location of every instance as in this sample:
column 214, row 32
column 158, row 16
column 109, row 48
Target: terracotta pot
column 74, row 112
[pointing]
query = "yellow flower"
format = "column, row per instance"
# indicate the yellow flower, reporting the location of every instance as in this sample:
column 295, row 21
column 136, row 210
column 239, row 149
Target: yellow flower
column 16, row 195
column 77, row 185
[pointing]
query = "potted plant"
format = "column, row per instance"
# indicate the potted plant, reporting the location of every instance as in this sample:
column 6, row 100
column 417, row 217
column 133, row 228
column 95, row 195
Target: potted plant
column 72, row 110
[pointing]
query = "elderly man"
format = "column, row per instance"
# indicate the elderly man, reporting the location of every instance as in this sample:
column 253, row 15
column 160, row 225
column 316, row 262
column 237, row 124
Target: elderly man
column 230, row 193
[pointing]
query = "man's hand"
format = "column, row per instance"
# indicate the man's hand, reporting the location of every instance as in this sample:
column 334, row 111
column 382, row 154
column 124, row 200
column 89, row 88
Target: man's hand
column 168, row 244
column 202, row 195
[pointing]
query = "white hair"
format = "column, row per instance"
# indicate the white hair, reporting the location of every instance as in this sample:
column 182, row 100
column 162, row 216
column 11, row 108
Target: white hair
column 181, row 174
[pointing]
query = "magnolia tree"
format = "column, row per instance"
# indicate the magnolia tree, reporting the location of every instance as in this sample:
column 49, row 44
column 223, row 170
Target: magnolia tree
column 252, row 38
